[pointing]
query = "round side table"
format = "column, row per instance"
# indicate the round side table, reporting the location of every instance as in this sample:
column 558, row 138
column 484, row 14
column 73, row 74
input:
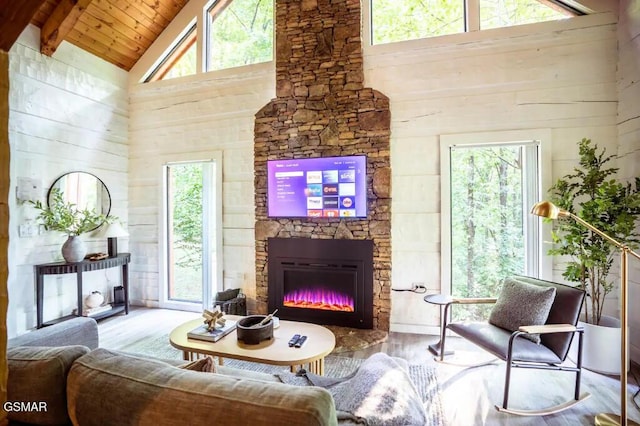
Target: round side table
column 441, row 300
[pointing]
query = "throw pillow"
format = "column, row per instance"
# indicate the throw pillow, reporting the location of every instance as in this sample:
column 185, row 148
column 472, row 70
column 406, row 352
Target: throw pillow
column 205, row 365
column 38, row 375
column 522, row 304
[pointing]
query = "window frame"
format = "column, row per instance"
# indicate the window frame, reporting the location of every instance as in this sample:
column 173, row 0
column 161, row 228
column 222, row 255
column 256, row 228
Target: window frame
column 211, row 10
column 182, row 44
column 216, row 223
column 542, row 137
column 471, row 18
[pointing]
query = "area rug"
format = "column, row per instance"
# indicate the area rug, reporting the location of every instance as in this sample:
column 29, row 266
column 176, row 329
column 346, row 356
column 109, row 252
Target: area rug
column 355, row 339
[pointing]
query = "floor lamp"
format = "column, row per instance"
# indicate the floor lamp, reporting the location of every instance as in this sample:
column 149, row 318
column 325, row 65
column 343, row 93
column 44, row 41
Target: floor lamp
column 551, row 211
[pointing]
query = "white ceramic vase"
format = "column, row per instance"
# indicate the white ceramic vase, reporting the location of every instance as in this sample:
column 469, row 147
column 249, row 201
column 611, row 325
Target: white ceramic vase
column 94, row 300
column 74, row 250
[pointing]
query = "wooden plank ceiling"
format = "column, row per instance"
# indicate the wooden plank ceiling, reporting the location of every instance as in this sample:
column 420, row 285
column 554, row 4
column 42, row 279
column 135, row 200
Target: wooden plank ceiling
column 118, row 31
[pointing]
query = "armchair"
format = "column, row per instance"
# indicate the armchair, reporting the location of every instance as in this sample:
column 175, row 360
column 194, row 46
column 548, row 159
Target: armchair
column 515, row 343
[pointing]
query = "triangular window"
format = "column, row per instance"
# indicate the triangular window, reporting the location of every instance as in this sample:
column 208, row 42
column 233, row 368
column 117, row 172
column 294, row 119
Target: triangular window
column 181, row 59
column 240, row 33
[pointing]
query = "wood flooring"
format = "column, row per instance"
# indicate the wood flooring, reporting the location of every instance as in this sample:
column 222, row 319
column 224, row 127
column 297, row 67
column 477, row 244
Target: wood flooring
column 468, row 395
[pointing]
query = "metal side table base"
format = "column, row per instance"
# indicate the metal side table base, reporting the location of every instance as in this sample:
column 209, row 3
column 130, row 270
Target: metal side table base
column 434, row 348
column 441, row 300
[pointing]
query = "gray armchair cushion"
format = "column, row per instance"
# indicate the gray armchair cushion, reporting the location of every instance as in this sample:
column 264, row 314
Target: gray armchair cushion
column 39, row 374
column 521, row 304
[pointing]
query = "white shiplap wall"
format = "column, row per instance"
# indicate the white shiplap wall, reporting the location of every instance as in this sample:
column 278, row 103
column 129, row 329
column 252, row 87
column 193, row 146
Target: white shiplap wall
column 67, row 113
column 200, row 114
column 629, row 136
column 555, row 75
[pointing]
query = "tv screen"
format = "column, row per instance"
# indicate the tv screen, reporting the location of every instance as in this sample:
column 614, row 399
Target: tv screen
column 317, row 187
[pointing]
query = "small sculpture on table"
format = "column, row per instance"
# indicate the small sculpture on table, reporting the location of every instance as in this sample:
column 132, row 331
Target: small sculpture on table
column 214, row 319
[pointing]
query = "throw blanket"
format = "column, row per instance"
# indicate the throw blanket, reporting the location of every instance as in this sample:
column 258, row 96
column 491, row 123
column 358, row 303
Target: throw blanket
column 380, row 392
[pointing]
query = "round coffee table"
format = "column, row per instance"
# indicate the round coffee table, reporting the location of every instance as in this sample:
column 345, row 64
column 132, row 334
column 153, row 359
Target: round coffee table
column 276, row 351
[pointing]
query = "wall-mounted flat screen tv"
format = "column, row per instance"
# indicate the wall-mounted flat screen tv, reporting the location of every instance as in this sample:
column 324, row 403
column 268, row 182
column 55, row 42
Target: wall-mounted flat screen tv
column 318, row 187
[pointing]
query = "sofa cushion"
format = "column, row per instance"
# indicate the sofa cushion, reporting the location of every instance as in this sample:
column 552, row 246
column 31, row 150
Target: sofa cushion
column 521, row 304
column 206, row 365
column 139, row 391
column 39, row 374
column 77, row 331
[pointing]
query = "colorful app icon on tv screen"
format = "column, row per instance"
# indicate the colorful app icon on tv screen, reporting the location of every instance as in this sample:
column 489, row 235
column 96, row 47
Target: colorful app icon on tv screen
column 318, row 187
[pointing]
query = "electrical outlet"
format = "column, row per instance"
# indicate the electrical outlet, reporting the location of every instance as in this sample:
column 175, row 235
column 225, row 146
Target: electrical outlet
column 27, row 230
column 418, row 284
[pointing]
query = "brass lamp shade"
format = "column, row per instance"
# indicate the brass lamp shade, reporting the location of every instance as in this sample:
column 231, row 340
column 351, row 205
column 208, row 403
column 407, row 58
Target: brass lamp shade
column 549, row 210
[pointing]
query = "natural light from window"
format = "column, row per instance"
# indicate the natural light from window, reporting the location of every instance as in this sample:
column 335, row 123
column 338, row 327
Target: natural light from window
column 507, row 13
column 393, row 20
column 240, row 33
column 180, row 61
column 185, row 65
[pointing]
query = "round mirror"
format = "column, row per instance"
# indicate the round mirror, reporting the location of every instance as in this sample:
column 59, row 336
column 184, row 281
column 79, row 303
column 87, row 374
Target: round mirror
column 84, row 190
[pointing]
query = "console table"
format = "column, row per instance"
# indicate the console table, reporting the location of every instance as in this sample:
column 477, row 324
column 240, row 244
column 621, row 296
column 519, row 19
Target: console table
column 78, row 268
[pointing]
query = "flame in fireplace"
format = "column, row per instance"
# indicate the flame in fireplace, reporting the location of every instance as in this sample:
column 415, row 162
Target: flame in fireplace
column 319, row 299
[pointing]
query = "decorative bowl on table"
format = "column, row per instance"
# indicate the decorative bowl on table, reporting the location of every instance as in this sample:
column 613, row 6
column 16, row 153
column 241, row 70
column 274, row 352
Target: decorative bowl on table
column 250, row 332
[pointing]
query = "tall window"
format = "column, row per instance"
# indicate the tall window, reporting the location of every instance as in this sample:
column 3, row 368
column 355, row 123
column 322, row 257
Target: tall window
column 191, row 232
column 491, row 235
column 393, row 20
column 240, row 32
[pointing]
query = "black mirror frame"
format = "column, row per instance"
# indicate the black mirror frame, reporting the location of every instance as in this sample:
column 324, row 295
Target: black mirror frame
column 86, row 173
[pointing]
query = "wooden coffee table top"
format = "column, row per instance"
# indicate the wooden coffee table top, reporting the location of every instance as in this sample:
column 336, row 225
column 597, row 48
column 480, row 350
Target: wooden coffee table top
column 276, row 351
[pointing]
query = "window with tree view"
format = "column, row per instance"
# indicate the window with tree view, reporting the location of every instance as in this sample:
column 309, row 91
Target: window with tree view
column 240, row 33
column 393, row 20
column 190, row 251
column 506, row 13
column 491, row 189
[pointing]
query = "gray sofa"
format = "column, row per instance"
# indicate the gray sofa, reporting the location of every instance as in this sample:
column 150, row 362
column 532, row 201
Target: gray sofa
column 79, row 383
column 62, row 368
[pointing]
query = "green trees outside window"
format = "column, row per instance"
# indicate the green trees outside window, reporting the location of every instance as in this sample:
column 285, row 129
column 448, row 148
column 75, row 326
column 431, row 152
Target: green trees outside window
column 487, row 229
column 240, row 33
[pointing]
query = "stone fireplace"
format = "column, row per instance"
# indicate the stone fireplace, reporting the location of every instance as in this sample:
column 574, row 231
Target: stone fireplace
column 322, row 109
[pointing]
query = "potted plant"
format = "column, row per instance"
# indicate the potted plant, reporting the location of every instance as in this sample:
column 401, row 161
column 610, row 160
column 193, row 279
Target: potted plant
column 63, row 216
column 592, row 193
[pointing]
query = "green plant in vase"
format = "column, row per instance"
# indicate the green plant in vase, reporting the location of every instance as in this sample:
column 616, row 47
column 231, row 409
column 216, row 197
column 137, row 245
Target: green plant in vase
column 63, row 216
column 592, row 193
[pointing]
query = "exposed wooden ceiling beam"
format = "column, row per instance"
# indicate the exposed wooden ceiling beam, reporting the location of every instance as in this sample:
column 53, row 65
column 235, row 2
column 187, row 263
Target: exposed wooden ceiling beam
column 61, row 21
column 14, row 17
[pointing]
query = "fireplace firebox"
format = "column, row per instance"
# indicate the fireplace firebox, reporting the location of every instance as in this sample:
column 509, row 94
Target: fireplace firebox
column 321, row 281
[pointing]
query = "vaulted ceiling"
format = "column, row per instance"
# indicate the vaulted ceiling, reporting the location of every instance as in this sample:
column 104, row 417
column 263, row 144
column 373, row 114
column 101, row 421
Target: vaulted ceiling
column 118, row 31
